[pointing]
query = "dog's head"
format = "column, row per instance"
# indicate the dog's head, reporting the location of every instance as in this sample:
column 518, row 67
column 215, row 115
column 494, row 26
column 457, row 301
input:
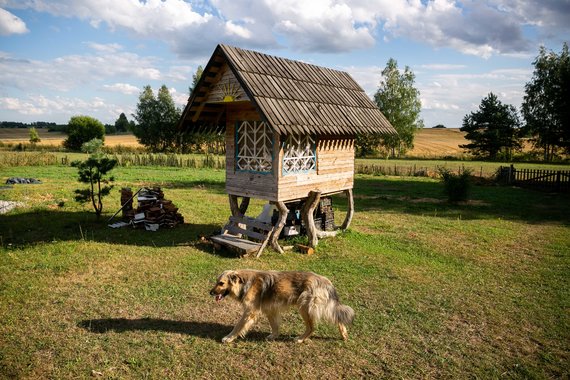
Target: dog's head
column 228, row 283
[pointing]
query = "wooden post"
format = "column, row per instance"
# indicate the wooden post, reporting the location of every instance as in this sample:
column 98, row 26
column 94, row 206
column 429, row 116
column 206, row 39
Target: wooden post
column 350, row 211
column 234, row 205
column 244, row 205
column 237, row 210
column 242, row 208
column 283, row 211
column 307, row 213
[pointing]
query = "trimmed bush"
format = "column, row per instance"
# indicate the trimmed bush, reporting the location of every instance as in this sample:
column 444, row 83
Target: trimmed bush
column 455, row 185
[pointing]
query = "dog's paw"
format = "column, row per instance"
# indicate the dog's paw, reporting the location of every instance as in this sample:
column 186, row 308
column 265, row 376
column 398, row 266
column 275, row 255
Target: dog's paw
column 228, row 339
column 299, row 339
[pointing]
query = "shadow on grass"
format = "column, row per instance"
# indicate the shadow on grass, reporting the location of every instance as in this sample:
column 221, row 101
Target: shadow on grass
column 425, row 197
column 208, row 330
column 49, row 226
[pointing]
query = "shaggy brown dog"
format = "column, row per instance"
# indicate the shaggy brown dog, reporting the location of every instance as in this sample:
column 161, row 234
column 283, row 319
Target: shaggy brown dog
column 271, row 292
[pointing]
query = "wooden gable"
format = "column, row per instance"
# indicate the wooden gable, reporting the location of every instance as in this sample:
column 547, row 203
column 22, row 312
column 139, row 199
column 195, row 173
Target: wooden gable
column 227, row 89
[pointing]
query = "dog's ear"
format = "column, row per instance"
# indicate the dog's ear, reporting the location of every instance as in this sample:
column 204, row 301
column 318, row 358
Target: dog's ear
column 235, row 278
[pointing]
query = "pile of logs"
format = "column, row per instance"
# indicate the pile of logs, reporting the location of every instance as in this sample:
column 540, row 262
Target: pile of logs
column 324, row 215
column 152, row 212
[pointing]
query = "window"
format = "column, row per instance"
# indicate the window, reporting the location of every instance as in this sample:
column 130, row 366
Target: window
column 299, row 154
column 254, row 147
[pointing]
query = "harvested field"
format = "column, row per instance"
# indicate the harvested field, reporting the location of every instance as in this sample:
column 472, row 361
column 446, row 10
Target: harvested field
column 21, row 135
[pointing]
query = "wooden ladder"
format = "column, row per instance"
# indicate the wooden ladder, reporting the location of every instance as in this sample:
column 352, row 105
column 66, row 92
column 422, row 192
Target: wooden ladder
column 257, row 231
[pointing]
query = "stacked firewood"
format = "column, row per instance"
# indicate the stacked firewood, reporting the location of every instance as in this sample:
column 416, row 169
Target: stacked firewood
column 324, row 215
column 153, row 211
column 127, row 202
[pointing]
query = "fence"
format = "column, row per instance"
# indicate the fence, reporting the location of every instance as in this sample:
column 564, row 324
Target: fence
column 542, row 179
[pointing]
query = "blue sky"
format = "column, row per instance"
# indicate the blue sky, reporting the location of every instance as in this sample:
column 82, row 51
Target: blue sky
column 60, row 58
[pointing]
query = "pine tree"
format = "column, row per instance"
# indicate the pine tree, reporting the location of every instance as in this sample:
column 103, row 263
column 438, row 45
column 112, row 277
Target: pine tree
column 492, row 130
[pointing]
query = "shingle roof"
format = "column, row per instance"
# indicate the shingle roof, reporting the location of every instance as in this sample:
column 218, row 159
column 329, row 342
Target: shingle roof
column 292, row 96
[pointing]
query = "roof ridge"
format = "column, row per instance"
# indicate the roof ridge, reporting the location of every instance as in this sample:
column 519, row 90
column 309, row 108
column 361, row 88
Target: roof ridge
column 352, row 84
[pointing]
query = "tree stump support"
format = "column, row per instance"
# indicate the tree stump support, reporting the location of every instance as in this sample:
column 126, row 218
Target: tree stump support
column 242, row 208
column 350, row 211
column 283, row 211
column 307, row 214
column 236, row 210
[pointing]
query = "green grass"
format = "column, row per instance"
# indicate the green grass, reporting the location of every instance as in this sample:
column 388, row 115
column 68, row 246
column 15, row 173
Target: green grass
column 477, row 289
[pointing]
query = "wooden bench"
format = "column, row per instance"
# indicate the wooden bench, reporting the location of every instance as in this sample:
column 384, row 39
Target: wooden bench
column 258, row 233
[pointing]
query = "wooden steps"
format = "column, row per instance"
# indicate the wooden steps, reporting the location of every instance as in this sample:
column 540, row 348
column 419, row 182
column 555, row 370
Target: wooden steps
column 239, row 226
column 241, row 246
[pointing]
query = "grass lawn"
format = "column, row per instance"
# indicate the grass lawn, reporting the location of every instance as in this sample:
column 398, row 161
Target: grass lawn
column 474, row 290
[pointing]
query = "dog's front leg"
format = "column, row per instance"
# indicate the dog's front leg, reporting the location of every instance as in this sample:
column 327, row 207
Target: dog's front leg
column 274, row 321
column 241, row 328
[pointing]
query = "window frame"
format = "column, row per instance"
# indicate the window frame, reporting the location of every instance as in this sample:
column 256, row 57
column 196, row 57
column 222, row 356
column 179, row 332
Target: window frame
column 254, row 126
column 302, row 139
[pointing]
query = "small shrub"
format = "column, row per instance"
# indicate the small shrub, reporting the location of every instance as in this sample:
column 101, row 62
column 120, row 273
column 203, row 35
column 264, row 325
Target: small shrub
column 456, row 185
column 34, row 136
column 92, row 146
column 93, row 171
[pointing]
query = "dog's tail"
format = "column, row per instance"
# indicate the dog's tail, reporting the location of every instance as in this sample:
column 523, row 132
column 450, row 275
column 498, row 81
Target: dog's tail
column 326, row 305
column 343, row 314
column 338, row 313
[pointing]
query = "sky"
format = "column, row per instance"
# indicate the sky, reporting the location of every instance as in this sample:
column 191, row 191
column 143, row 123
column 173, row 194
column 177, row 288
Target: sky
column 61, row 58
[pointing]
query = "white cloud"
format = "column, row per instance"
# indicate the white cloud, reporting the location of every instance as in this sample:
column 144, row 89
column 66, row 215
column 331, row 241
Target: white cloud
column 123, row 88
column 368, row 77
column 105, row 48
column 68, row 72
column 482, row 28
column 180, row 99
column 442, row 66
column 180, row 73
column 320, row 25
column 11, row 24
column 40, row 105
column 238, row 30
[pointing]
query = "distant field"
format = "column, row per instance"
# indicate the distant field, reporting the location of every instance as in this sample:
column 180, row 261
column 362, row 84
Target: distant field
column 21, row 135
column 438, row 142
column 428, row 143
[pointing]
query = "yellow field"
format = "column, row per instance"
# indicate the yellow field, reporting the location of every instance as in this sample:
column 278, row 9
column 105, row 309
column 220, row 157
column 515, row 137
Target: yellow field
column 21, row 135
column 438, row 142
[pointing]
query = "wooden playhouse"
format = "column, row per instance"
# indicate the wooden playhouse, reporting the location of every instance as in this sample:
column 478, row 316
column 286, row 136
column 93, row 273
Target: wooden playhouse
column 289, row 129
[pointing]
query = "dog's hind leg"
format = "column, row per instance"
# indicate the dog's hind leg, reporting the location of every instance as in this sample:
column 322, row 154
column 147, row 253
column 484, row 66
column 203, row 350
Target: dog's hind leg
column 274, row 321
column 343, row 332
column 242, row 327
column 309, row 324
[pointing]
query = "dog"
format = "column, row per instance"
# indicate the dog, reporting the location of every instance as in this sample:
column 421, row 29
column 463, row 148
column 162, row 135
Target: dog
column 271, row 292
